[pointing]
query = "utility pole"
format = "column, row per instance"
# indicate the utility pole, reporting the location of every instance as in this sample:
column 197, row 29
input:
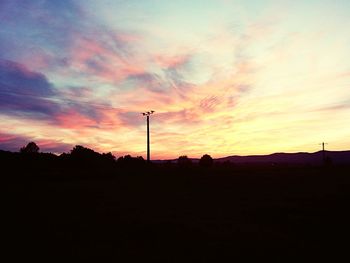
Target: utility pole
column 323, row 151
column 147, row 114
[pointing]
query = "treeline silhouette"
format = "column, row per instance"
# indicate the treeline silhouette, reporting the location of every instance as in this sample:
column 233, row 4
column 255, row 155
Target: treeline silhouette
column 83, row 161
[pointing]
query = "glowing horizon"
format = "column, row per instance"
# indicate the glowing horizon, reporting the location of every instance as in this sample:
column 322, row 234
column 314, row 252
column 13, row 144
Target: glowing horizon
column 224, row 77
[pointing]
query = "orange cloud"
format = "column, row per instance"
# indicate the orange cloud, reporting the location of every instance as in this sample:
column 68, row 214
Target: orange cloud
column 74, row 120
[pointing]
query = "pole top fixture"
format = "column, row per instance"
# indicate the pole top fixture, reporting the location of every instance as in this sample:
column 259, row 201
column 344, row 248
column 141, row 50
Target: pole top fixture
column 147, row 113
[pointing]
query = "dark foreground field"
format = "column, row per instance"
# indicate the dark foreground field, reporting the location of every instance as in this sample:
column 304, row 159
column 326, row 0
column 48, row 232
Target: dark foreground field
column 292, row 215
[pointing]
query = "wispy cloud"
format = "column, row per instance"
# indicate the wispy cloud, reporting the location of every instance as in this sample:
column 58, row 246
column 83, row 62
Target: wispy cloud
column 28, row 94
column 13, row 142
column 24, row 91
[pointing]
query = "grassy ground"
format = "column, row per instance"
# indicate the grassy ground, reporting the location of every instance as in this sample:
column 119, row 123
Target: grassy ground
column 284, row 214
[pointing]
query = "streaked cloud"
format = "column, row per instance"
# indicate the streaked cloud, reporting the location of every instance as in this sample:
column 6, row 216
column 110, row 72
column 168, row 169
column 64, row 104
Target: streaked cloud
column 12, row 142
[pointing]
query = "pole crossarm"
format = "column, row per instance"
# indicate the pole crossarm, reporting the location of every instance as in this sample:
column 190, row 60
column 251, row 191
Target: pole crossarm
column 148, row 113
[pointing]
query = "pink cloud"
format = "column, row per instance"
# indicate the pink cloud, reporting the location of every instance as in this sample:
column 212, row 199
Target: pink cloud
column 127, row 37
column 209, row 103
column 74, row 120
column 105, row 60
column 6, row 137
column 13, row 142
column 172, row 62
column 189, row 116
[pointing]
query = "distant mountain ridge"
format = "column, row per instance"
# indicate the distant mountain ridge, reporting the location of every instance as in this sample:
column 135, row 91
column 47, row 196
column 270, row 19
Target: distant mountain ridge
column 337, row 157
column 300, row 158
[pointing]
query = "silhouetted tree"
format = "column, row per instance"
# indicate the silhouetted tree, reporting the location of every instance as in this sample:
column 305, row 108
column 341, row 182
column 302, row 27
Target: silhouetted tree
column 206, row 161
column 82, row 152
column 184, row 161
column 140, row 159
column 30, row 148
column 132, row 163
column 82, row 158
column 129, row 160
column 108, row 157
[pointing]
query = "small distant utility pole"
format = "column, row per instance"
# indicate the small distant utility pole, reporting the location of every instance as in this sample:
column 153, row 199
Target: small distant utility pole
column 323, row 151
column 147, row 114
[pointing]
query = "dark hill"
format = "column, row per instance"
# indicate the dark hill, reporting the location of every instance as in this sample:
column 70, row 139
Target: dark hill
column 337, row 157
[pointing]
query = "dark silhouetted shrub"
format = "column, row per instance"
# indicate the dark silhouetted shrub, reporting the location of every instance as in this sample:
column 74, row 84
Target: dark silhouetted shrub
column 130, row 161
column 30, row 148
column 206, row 161
column 82, row 158
column 84, row 153
column 109, row 157
column 184, row 161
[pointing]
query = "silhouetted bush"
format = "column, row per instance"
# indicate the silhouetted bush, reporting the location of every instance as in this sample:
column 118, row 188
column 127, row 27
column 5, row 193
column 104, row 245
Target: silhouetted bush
column 30, row 148
column 206, row 161
column 108, row 157
column 184, row 161
column 83, row 159
column 84, row 153
column 129, row 161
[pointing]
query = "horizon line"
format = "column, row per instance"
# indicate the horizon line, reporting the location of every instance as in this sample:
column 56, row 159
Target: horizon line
column 216, row 158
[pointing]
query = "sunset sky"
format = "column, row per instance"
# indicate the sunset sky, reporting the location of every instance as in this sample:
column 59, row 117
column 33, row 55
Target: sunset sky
column 225, row 77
